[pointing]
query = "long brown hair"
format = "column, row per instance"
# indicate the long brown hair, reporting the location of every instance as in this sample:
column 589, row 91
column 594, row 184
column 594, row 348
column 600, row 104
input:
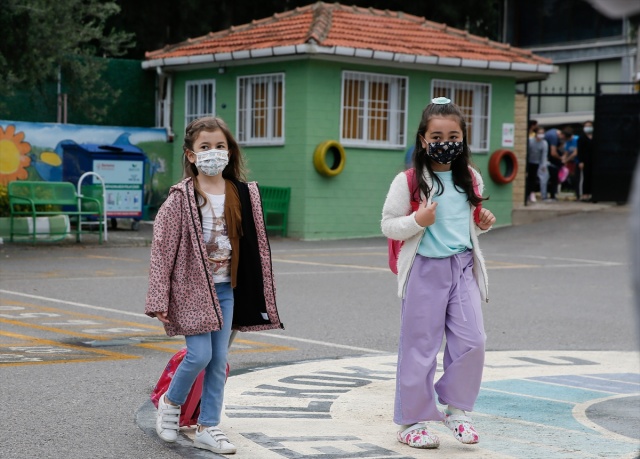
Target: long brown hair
column 235, row 170
column 459, row 167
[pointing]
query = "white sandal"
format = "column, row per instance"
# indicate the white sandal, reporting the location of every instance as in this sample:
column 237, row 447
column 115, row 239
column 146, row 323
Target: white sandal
column 417, row 436
column 462, row 427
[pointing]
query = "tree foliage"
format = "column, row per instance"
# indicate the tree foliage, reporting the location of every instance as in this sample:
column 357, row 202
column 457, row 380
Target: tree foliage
column 44, row 41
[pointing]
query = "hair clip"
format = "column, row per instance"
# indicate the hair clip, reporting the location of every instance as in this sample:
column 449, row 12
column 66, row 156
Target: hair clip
column 441, row 101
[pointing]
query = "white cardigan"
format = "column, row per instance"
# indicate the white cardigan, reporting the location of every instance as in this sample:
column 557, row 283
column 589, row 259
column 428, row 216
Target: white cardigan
column 399, row 223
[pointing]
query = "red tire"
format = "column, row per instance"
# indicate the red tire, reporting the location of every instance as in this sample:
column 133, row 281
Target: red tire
column 495, row 169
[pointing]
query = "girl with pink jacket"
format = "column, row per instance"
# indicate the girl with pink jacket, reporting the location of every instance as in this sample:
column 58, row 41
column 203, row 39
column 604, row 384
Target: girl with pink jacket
column 210, row 273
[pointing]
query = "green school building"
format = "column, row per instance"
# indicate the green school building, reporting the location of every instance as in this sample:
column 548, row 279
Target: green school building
column 326, row 100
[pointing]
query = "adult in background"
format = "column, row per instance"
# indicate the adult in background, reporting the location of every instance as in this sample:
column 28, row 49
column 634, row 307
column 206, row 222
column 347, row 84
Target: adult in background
column 569, row 155
column 536, row 158
column 585, row 161
column 552, row 136
column 533, row 126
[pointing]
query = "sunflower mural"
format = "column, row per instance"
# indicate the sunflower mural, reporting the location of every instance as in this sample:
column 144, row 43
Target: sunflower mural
column 14, row 158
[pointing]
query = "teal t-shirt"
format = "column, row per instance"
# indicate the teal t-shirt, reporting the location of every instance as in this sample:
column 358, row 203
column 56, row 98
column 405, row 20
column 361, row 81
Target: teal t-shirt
column 450, row 232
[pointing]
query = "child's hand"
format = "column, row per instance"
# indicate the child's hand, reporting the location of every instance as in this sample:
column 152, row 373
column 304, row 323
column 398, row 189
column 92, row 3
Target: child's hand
column 426, row 214
column 162, row 317
column 486, row 219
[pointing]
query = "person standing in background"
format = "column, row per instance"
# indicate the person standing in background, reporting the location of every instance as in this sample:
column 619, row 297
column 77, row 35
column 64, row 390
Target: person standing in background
column 554, row 160
column 536, row 158
column 533, row 126
column 569, row 155
column 585, row 161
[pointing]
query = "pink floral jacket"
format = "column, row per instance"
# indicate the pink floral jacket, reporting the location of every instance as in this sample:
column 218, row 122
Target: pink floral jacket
column 180, row 278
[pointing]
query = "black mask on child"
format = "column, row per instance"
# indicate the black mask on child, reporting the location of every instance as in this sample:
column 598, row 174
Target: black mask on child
column 444, row 152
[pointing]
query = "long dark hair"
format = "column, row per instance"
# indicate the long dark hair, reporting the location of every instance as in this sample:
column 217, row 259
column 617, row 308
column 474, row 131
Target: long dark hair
column 460, row 172
column 234, row 171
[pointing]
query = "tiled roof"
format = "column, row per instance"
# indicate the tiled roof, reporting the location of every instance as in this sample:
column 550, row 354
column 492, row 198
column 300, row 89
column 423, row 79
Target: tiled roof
column 332, row 28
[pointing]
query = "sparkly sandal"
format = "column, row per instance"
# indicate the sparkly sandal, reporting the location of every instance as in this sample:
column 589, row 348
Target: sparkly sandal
column 417, row 436
column 462, row 428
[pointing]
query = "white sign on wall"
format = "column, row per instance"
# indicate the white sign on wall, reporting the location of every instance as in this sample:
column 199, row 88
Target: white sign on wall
column 508, row 134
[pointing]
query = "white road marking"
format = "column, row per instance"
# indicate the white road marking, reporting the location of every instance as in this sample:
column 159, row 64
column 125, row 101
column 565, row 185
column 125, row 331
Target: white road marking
column 337, row 265
column 137, row 314
column 73, row 303
column 580, row 414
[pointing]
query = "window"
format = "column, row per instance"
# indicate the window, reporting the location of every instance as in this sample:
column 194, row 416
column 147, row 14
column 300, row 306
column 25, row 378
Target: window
column 200, row 99
column 473, row 99
column 373, row 110
column 261, row 109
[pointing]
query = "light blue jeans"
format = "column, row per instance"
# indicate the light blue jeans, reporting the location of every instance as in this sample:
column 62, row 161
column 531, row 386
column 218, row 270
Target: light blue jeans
column 207, row 351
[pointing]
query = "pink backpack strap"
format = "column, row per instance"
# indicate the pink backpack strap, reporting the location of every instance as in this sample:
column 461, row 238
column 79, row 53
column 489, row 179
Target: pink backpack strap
column 393, row 245
column 413, row 187
column 476, row 190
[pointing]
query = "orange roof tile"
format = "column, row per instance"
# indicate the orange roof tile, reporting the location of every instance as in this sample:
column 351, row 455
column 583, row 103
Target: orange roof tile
column 366, row 29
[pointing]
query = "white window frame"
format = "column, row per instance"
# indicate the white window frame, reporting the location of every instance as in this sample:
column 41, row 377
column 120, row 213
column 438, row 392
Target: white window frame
column 479, row 123
column 397, row 102
column 246, row 113
column 205, row 103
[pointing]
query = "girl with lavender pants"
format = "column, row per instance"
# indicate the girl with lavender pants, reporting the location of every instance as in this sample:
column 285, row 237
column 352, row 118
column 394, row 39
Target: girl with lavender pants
column 449, row 304
column 435, row 209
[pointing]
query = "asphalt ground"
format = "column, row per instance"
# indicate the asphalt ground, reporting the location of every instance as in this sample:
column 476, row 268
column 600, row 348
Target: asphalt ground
column 78, row 359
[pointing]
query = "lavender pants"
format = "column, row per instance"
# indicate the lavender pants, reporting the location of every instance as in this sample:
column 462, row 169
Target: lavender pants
column 442, row 298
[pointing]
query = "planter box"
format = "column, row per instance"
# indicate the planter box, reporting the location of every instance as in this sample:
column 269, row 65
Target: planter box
column 45, row 226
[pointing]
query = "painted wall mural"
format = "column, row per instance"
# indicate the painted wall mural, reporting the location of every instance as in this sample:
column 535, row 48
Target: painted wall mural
column 36, row 151
column 14, row 155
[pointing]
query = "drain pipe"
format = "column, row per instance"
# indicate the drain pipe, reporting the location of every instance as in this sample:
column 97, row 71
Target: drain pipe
column 165, row 96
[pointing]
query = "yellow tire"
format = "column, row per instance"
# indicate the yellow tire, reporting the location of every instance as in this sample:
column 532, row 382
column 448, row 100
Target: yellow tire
column 320, row 158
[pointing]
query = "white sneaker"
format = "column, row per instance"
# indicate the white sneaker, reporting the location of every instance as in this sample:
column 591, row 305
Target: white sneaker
column 214, row 440
column 532, row 197
column 167, row 420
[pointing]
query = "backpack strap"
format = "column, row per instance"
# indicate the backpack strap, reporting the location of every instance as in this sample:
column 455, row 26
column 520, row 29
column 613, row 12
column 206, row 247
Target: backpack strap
column 412, row 182
column 476, row 190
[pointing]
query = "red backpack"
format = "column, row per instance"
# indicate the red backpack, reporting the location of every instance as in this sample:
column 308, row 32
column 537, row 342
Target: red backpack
column 395, row 246
column 191, row 408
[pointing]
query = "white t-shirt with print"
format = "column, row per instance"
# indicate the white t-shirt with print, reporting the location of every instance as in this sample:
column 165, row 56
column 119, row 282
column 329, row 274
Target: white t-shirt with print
column 216, row 237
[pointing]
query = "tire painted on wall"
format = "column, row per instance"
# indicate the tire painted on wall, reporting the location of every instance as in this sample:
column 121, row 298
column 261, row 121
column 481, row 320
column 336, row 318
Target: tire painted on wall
column 495, row 166
column 329, row 158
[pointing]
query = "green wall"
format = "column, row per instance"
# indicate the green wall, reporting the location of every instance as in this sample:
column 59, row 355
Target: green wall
column 350, row 204
column 502, row 111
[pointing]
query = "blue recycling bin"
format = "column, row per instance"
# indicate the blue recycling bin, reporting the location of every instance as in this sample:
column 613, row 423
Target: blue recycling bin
column 122, row 167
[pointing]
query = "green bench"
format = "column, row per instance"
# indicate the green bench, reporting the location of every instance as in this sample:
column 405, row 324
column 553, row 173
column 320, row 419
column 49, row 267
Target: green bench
column 275, row 204
column 45, row 199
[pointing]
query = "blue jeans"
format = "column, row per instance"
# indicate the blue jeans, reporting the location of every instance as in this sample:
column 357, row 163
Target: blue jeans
column 207, row 351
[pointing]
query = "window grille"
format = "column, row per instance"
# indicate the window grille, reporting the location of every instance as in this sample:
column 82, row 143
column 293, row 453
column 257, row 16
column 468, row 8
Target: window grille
column 373, row 109
column 200, row 99
column 474, row 102
column 261, row 109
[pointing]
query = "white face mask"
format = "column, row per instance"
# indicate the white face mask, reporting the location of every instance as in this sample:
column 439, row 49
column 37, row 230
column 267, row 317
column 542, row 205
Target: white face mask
column 212, row 162
column 588, row 129
column 540, row 136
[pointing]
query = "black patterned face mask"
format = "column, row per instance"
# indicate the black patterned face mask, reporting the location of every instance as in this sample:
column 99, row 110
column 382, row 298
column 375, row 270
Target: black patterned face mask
column 444, row 152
